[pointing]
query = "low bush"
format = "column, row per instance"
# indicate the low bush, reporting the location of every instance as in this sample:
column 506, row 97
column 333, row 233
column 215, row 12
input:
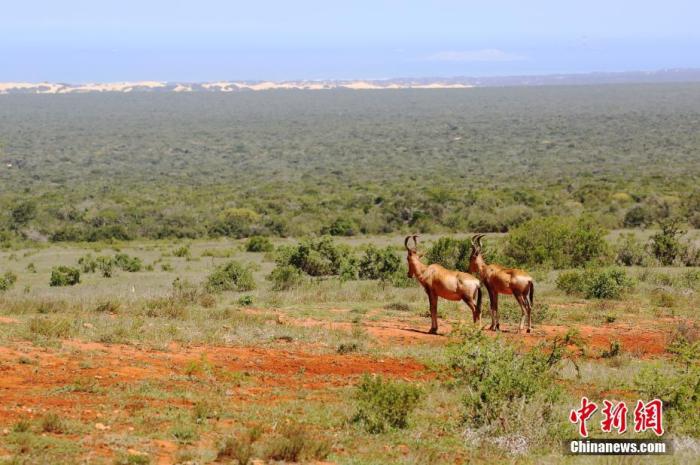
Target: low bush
column 608, row 283
column 319, row 257
column 106, row 266
column 341, row 227
column 572, row 282
column 7, row 280
column 87, row 263
column 561, row 242
column 285, row 277
column 127, row 263
column 384, row 404
column 232, row 276
column 450, row 253
column 502, row 385
column 630, row 251
column 182, row 251
column 64, row 276
column 377, row 263
column 677, row 384
column 259, row 244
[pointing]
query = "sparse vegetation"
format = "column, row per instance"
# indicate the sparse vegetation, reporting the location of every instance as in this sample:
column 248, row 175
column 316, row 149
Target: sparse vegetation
column 230, row 347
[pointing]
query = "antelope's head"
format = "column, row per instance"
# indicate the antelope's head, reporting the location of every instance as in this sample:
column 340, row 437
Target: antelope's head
column 413, row 257
column 476, row 259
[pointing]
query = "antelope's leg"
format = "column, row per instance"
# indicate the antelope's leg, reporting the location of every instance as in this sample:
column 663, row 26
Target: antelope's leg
column 521, row 302
column 493, row 300
column 433, row 313
column 528, row 307
column 472, row 306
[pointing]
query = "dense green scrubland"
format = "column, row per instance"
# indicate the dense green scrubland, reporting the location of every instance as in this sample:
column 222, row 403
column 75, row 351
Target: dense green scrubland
column 95, row 167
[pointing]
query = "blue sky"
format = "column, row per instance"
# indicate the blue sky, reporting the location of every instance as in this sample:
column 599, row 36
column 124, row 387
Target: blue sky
column 81, row 41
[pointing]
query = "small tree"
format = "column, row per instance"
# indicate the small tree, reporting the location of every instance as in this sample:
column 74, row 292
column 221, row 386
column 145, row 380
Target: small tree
column 666, row 245
column 22, row 213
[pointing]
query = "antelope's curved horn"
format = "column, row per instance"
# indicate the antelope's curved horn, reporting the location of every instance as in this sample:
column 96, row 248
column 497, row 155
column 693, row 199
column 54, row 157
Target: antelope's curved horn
column 474, row 237
column 415, row 242
column 405, row 243
column 478, row 239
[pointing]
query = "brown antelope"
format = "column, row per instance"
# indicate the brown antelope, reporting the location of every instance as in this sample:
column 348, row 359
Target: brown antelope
column 500, row 280
column 440, row 282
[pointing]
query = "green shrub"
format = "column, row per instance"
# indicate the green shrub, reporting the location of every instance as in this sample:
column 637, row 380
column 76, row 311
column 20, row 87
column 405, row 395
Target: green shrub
column 285, row 277
column 232, row 276
column 259, row 244
column 636, row 216
column 7, row 280
column 378, row 263
column 340, row 227
column 502, row 384
column 64, row 276
column 127, row 263
column 87, row 263
column 319, row 257
column 450, row 253
column 105, row 265
column 691, row 279
column 608, row 283
column 182, row 252
column 666, row 245
column 679, row 388
column 235, row 222
column 557, row 241
column 572, row 282
column 245, row 300
column 630, row 251
column 384, row 404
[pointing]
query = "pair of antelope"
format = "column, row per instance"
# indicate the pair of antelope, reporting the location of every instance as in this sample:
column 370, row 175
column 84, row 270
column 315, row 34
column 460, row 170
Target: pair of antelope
column 456, row 285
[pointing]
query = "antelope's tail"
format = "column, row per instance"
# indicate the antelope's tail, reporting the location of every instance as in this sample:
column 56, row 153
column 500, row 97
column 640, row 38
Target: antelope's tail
column 532, row 293
column 478, row 299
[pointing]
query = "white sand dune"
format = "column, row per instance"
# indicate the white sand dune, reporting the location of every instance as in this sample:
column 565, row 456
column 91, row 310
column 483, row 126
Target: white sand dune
column 219, row 86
